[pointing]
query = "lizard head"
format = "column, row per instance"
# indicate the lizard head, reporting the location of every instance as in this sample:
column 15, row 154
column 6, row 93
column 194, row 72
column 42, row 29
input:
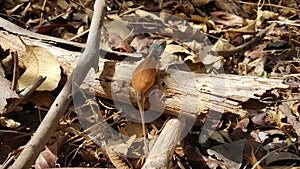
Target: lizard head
column 157, row 48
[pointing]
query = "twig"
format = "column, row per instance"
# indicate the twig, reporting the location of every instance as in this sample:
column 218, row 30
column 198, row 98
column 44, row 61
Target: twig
column 79, row 35
column 8, row 161
column 25, row 94
column 42, row 13
column 15, row 71
column 242, row 48
column 88, row 58
column 132, row 10
column 294, row 10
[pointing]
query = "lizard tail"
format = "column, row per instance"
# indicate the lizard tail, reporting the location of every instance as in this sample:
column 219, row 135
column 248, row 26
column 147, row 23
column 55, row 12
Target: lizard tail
column 140, row 101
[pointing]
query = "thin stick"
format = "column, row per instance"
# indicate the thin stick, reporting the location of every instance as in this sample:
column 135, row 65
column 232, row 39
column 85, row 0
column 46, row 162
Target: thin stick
column 24, row 94
column 47, row 127
column 15, row 71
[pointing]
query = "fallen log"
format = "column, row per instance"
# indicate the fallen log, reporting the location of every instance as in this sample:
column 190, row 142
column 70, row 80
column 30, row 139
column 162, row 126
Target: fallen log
column 184, row 92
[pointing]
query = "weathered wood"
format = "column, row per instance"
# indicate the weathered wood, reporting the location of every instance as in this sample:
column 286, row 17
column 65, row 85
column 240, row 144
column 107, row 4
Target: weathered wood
column 185, row 92
column 162, row 151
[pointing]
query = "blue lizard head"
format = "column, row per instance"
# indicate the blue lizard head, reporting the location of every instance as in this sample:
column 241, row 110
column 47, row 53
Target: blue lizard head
column 158, row 47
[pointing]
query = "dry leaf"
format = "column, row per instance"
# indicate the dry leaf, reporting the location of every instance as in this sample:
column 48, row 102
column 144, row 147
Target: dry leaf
column 46, row 159
column 217, row 136
column 221, row 45
column 119, row 27
column 41, row 99
column 132, row 128
column 256, row 52
column 291, row 119
column 226, row 18
column 243, row 32
column 40, row 62
column 173, row 49
column 141, row 44
column 117, row 43
column 231, row 154
column 121, row 147
column 280, row 156
column 10, row 123
column 267, row 15
column 117, row 161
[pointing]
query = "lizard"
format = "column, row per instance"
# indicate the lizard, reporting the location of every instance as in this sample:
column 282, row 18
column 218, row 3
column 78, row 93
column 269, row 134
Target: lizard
column 143, row 78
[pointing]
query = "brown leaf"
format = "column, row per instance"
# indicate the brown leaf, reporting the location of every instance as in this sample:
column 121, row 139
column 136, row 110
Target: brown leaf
column 40, row 62
column 243, row 124
column 256, row 52
column 141, row 44
column 227, row 18
column 259, row 118
column 291, row 119
column 221, row 45
column 117, row 43
column 46, row 159
column 41, row 99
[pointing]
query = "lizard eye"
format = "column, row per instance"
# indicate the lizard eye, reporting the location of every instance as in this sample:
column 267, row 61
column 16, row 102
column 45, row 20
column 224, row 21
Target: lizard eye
column 161, row 47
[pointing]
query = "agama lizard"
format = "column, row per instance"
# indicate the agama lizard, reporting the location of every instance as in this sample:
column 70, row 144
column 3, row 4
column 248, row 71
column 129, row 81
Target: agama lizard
column 143, row 78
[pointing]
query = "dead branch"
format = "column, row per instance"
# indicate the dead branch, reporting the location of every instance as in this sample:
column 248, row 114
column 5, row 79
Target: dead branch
column 61, row 103
column 245, row 46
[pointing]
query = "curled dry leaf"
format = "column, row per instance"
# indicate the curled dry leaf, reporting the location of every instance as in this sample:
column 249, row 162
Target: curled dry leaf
column 221, row 45
column 10, row 123
column 172, row 49
column 226, row 18
column 116, row 36
column 40, row 62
